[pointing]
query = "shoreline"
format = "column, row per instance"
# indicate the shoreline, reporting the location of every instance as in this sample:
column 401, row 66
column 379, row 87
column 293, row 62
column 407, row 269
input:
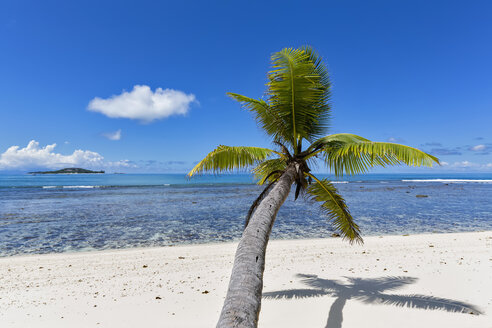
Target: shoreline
column 234, row 242
column 184, row 286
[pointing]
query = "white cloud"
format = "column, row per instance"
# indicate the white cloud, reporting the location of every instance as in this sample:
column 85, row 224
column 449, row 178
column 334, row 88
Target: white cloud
column 471, row 165
column 143, row 104
column 478, row 147
column 396, row 140
column 464, row 164
column 123, row 163
column 34, row 156
column 116, row 135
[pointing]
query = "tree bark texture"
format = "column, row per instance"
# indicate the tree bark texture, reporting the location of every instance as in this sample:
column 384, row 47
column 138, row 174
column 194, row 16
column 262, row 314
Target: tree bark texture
column 243, row 300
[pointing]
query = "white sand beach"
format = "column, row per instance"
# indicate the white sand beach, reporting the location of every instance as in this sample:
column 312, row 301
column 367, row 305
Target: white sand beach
column 390, row 281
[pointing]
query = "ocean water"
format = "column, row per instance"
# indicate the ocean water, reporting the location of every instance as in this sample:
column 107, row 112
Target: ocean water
column 67, row 213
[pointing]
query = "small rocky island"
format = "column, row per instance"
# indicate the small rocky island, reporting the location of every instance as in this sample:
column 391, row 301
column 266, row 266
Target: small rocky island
column 71, row 170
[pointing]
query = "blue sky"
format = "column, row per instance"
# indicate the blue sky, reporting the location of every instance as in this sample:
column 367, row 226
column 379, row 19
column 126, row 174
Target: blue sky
column 414, row 72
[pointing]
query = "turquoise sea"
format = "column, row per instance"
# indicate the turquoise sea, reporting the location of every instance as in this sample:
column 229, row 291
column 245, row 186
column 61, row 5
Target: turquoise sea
column 66, row 213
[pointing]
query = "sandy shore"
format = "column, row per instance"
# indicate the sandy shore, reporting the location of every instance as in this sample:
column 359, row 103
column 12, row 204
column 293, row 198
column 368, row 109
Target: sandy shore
column 390, row 281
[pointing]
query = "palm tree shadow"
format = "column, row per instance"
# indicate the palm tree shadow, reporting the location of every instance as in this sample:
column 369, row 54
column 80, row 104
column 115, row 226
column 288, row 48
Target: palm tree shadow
column 369, row 291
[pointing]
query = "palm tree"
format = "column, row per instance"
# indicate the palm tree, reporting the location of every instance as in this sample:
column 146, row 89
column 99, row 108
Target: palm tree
column 295, row 113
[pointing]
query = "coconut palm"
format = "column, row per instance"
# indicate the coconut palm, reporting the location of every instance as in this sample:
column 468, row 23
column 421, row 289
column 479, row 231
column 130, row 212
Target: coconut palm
column 295, row 115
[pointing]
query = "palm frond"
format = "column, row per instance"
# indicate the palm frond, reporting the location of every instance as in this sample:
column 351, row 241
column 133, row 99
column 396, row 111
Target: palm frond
column 360, row 157
column 335, row 207
column 267, row 119
column 263, row 171
column 298, row 91
column 226, row 158
column 334, row 140
column 283, row 148
column 352, row 154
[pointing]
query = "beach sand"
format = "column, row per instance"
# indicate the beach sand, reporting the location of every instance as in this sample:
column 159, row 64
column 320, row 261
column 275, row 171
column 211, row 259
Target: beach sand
column 308, row 283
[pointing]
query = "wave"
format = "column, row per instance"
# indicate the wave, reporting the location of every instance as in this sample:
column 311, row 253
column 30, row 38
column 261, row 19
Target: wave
column 70, row 187
column 448, row 180
column 195, row 185
column 339, row 181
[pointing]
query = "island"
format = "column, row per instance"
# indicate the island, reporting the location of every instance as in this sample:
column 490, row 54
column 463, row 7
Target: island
column 71, row 170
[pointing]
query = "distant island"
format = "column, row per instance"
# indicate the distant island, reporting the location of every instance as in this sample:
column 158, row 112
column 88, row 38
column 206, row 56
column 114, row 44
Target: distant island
column 72, row 170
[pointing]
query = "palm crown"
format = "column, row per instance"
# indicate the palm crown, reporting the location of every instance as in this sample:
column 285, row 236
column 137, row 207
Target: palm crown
column 297, row 111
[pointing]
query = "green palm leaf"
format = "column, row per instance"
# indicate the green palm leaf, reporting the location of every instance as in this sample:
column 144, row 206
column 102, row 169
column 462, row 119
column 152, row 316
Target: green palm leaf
column 267, row 119
column 266, row 169
column 338, row 139
column 352, row 154
column 335, row 207
column 358, row 158
column 298, row 92
column 226, row 158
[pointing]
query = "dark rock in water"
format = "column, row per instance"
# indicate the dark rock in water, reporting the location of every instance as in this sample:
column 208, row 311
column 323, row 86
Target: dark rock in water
column 421, row 196
column 335, row 235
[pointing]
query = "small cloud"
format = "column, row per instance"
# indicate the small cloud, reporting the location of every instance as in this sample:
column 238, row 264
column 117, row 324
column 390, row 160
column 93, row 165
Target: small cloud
column 119, row 164
column 116, row 135
column 143, row 104
column 176, row 163
column 151, row 162
column 66, row 142
column 482, row 149
column 431, row 144
column 161, row 166
column 471, row 165
column 464, row 164
column 396, row 140
column 478, row 148
column 445, row 151
column 467, row 166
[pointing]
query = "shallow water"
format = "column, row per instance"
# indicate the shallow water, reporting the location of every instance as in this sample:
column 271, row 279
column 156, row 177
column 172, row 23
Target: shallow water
column 45, row 214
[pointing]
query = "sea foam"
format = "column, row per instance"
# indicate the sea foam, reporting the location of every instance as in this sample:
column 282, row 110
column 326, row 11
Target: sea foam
column 448, row 180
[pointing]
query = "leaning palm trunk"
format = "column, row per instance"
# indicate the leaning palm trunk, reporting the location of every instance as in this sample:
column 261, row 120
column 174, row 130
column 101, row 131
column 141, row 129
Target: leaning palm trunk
column 243, row 300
